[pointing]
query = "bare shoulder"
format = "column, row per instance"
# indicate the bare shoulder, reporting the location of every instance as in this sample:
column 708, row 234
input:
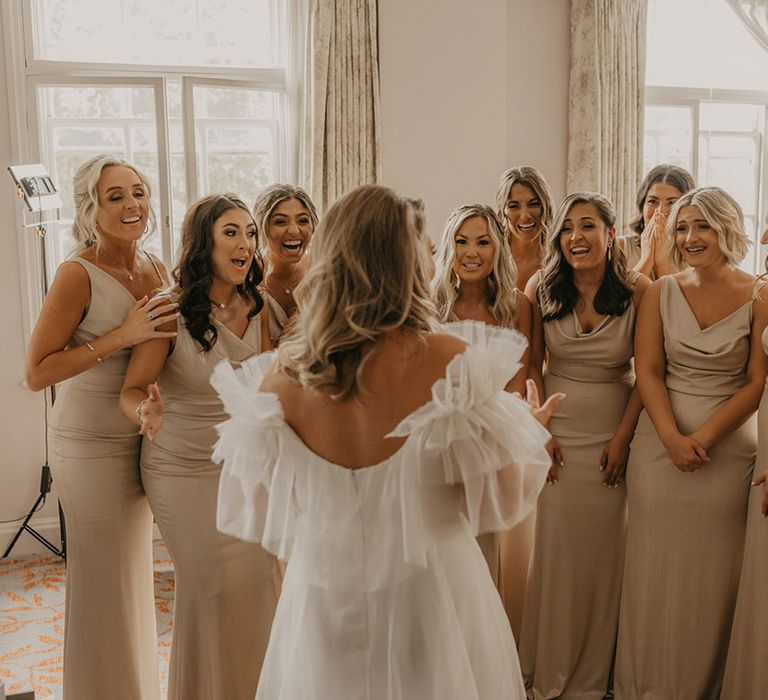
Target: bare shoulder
column 523, row 302
column 639, row 288
column 71, row 282
column 652, row 293
column 532, row 288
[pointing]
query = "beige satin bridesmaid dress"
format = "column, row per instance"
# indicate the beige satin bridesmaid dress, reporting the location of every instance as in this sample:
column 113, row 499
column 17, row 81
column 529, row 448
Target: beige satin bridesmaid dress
column 110, row 638
column 571, row 610
column 746, row 668
column 686, row 530
column 225, row 588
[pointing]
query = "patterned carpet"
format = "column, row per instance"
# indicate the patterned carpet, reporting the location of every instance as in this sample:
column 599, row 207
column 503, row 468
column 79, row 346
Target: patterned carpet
column 32, row 621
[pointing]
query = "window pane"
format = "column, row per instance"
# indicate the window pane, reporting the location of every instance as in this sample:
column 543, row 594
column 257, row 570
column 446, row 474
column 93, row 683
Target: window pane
column 236, row 137
column 731, row 163
column 668, row 136
column 168, row 32
column 77, row 123
column 722, row 116
column 702, row 43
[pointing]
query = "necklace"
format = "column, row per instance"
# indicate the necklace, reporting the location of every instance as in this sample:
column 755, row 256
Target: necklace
column 224, row 304
column 116, row 266
column 287, row 290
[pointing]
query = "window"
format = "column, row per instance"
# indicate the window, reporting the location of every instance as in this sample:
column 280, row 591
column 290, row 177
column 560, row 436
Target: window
column 707, row 104
column 202, row 95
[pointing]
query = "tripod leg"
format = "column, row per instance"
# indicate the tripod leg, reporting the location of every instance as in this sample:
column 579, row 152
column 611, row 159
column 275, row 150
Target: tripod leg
column 23, row 525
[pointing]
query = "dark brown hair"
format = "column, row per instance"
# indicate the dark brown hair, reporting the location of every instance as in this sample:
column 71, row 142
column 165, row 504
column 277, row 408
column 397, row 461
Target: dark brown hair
column 194, row 272
column 667, row 173
column 557, row 292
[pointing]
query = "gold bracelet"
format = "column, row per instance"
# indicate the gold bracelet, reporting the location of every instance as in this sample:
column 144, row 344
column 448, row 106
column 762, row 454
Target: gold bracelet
column 99, row 358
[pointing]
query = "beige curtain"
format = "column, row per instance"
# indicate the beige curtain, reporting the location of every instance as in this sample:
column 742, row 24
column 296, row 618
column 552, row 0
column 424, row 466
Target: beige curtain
column 754, row 15
column 606, row 100
column 342, row 98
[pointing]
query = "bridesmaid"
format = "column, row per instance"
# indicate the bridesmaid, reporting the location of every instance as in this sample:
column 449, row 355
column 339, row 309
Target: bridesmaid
column 98, row 308
column 584, row 306
column 475, row 280
column 701, row 371
column 746, row 672
column 524, row 204
column 285, row 218
column 225, row 590
column 645, row 246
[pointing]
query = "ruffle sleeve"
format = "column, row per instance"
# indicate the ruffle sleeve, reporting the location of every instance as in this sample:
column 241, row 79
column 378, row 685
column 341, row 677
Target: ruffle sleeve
column 474, row 434
column 255, row 501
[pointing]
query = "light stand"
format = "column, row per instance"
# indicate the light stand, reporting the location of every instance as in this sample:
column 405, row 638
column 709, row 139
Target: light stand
column 39, row 194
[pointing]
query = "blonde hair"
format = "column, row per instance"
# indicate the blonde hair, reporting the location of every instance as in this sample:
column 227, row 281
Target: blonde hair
column 267, row 201
column 502, row 297
column 365, row 277
column 86, row 195
column 722, row 212
column 530, row 177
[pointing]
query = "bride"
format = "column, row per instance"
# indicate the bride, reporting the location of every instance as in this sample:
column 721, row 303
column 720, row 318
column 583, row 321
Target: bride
column 369, row 453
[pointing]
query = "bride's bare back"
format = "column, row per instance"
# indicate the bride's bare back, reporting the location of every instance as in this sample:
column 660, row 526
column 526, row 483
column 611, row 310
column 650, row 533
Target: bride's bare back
column 397, row 378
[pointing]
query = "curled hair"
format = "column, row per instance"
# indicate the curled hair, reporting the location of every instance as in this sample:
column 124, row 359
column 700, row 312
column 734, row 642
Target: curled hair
column 267, row 201
column 86, row 195
column 667, row 174
column 194, row 272
column 557, row 292
column 446, row 286
column 722, row 212
column 366, row 276
column 532, row 178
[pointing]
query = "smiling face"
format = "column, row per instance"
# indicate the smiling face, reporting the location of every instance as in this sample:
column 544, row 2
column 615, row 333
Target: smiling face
column 524, row 211
column 234, row 246
column 289, row 230
column 585, row 237
column 123, row 204
column 475, row 248
column 661, row 196
column 696, row 240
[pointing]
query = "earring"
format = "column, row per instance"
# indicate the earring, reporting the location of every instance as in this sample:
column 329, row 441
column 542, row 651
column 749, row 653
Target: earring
column 610, row 252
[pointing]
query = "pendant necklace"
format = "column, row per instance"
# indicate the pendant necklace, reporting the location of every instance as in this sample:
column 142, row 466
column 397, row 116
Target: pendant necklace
column 224, row 304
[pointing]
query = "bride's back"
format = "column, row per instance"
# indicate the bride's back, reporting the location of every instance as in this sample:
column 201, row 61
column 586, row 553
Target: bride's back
column 395, row 380
column 362, row 354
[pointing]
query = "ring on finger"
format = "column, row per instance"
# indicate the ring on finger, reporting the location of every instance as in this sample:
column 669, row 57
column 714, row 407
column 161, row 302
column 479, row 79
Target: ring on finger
column 151, row 316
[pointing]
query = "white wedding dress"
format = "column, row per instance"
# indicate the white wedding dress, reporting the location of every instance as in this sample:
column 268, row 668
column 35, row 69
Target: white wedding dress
column 387, row 595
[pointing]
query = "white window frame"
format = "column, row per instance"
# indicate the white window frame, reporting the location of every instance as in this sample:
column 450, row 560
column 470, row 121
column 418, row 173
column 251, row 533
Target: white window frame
column 656, row 96
column 25, row 74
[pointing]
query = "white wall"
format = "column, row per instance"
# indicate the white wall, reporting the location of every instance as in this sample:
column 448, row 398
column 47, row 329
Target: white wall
column 21, row 411
column 468, row 90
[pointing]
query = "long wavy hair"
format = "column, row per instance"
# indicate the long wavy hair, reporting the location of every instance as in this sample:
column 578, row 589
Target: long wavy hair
column 532, row 178
column 557, row 292
column 194, row 272
column 722, row 212
column 446, row 285
column 668, row 174
column 86, row 195
column 366, row 276
column 266, row 202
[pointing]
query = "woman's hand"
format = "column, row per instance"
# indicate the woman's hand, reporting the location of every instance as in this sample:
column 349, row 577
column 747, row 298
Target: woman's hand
column 613, row 460
column 660, row 247
column 150, row 413
column 557, row 461
column 686, row 454
column 539, row 412
column 144, row 318
column 762, row 480
column 648, row 245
